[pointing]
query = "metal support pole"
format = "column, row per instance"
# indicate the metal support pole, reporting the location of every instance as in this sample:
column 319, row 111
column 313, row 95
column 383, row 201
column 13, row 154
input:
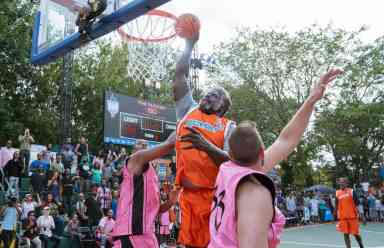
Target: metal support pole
column 66, row 92
column 66, row 98
column 195, row 67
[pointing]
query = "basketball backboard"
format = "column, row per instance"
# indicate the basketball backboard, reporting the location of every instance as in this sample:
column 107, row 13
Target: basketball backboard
column 55, row 32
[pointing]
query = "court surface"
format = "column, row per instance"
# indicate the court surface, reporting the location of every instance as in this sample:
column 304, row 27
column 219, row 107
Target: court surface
column 320, row 236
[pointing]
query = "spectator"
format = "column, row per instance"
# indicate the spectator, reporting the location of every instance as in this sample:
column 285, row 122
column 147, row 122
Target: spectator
column 116, row 186
column 372, row 207
column 77, row 183
column 314, row 203
column 48, row 154
column 46, row 225
column 104, row 195
column 13, row 170
column 25, row 146
column 93, row 210
column 307, row 200
column 81, row 149
column 39, row 181
column 67, row 185
column 366, row 207
column 115, row 197
column 300, row 206
column 58, row 165
column 54, row 211
column 332, row 205
column 322, row 208
column 174, row 216
column 81, row 209
column 54, row 186
column 72, row 229
column 99, row 159
column 378, row 209
column 382, row 208
column 60, row 221
column 291, row 204
column 360, row 208
column 108, row 171
column 68, row 157
column 31, row 232
column 8, row 225
column 97, row 174
column 6, row 153
column 29, row 205
column 105, row 229
column 39, row 163
column 85, row 173
column 52, row 205
column 164, row 222
column 307, row 214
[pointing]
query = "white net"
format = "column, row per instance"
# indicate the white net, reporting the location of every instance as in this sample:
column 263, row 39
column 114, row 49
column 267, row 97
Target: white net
column 152, row 46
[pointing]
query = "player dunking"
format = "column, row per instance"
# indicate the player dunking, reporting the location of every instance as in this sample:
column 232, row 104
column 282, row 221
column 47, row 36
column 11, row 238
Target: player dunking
column 347, row 213
column 198, row 159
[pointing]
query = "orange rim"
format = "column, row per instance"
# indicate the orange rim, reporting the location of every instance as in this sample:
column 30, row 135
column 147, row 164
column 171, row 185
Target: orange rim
column 155, row 12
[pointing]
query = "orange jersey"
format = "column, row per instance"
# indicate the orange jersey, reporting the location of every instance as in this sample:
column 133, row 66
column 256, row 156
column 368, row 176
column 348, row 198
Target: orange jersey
column 194, row 165
column 346, row 205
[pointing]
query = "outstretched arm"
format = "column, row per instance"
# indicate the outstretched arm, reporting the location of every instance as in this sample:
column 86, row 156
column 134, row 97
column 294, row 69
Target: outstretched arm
column 180, row 84
column 291, row 135
column 140, row 158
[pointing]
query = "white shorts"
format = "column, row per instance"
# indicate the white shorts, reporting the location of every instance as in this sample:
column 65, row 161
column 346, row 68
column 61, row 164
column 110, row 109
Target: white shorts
column 361, row 209
column 315, row 212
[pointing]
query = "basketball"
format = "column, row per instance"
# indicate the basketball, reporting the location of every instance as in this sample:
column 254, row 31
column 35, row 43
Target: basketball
column 187, row 26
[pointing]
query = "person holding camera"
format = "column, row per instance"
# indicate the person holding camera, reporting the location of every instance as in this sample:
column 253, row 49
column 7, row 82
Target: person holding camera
column 26, row 141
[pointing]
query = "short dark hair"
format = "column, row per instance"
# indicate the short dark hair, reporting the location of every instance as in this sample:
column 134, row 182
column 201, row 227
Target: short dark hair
column 245, row 143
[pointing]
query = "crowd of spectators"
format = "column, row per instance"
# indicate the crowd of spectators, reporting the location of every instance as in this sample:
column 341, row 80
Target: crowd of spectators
column 69, row 191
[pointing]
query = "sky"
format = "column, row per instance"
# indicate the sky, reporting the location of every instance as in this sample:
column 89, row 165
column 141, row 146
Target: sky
column 219, row 18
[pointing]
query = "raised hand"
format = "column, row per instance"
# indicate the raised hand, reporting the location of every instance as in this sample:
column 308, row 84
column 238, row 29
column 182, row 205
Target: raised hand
column 319, row 89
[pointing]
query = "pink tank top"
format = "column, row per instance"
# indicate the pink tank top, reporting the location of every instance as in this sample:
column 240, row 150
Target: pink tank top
column 223, row 224
column 138, row 204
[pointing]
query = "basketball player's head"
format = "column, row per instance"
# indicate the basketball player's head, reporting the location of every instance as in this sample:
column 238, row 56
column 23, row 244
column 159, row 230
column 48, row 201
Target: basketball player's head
column 343, row 182
column 215, row 101
column 140, row 145
column 245, row 145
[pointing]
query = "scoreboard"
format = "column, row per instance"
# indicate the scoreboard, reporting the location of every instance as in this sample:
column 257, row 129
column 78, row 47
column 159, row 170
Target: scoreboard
column 141, row 127
column 127, row 119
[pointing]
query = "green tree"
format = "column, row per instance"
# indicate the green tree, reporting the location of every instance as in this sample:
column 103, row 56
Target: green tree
column 269, row 74
column 27, row 93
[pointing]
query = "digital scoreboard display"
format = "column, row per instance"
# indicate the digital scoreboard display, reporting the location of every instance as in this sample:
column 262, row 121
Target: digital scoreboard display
column 127, row 119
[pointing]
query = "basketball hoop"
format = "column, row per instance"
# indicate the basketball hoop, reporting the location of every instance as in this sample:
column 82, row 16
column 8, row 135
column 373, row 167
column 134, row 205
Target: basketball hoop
column 150, row 39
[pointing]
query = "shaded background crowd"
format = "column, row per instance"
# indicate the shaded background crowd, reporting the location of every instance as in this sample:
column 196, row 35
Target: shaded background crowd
column 55, row 196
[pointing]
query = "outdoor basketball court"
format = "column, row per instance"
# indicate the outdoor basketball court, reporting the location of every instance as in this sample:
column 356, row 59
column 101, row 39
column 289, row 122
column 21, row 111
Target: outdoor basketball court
column 320, row 236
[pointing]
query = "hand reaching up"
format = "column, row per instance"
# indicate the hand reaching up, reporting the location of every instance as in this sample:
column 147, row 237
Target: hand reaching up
column 319, row 89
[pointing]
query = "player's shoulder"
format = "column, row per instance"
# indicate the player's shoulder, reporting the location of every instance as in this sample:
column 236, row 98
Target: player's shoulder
column 251, row 186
